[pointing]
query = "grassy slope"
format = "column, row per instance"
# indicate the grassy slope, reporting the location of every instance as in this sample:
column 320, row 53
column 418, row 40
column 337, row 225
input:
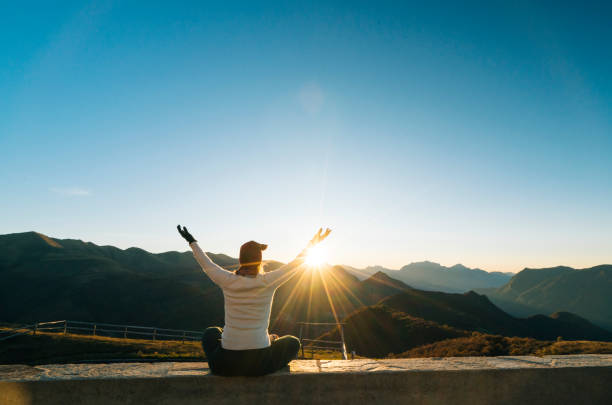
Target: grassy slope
column 432, row 321
column 46, row 348
column 495, row 345
column 377, row 331
column 474, row 312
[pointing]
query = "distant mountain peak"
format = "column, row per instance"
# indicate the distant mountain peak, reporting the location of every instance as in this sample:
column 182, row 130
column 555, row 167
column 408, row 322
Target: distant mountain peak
column 30, row 237
column 564, row 315
column 422, row 265
column 377, row 268
column 426, row 262
column 379, row 275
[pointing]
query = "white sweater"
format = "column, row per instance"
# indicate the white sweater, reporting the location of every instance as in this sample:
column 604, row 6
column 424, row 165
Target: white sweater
column 248, row 300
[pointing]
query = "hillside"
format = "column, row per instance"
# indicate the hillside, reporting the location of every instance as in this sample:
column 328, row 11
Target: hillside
column 586, row 292
column 478, row 345
column 312, row 295
column 415, row 318
column 471, row 311
column 468, row 311
column 53, row 348
column 377, row 331
column 435, row 277
column 43, row 278
column 495, row 345
column 46, row 348
column 380, row 285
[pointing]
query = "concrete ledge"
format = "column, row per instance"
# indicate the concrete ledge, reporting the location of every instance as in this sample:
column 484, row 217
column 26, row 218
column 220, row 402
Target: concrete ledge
column 476, row 380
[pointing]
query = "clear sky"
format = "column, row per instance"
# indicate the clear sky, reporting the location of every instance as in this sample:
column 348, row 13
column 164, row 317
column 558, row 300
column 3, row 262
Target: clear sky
column 459, row 132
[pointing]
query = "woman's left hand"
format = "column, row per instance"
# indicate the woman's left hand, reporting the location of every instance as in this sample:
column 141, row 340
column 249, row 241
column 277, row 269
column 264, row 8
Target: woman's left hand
column 185, row 234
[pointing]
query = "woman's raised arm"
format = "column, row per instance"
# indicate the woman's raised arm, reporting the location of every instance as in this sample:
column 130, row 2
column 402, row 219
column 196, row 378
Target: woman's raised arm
column 216, row 273
column 277, row 277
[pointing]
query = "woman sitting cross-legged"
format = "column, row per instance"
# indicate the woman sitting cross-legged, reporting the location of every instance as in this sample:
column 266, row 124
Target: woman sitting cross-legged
column 243, row 347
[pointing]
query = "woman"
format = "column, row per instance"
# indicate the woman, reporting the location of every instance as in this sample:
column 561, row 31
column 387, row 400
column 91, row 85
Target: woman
column 243, row 347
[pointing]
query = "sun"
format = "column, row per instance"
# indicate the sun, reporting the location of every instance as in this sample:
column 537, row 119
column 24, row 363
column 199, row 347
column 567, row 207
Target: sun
column 316, row 256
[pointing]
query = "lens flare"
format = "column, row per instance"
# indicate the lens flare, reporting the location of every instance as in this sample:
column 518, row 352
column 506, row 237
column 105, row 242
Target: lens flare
column 317, row 256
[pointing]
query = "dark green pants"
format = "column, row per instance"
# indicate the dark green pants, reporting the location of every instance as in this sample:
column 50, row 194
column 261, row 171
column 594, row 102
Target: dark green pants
column 254, row 362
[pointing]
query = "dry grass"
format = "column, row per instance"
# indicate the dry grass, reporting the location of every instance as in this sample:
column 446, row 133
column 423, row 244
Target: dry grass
column 50, row 347
column 324, row 355
column 495, row 345
column 576, row 347
column 47, row 347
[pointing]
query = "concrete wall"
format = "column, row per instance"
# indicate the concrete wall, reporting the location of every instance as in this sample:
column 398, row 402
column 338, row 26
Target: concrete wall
column 533, row 386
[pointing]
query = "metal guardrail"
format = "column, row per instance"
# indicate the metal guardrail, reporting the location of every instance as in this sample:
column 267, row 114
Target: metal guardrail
column 15, row 331
column 152, row 333
column 322, row 344
column 104, row 329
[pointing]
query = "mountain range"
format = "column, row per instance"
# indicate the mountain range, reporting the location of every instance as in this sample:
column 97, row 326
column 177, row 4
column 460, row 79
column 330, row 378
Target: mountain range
column 43, row 278
column 585, row 292
column 414, row 318
column 435, row 277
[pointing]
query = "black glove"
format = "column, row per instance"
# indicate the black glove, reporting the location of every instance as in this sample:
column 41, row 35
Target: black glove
column 185, row 234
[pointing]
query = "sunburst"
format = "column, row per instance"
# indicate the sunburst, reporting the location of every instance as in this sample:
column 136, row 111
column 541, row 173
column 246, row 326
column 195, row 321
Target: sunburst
column 316, row 257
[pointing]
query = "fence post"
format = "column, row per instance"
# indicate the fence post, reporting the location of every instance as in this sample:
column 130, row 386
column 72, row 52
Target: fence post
column 94, row 331
column 65, row 326
column 341, row 329
column 35, row 328
column 301, row 334
column 125, row 333
column 183, row 337
column 154, row 333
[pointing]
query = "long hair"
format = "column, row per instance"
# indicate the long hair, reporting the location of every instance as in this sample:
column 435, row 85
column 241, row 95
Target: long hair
column 250, row 269
column 251, row 259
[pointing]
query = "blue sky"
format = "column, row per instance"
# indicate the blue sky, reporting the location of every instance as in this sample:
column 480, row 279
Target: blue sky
column 474, row 133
